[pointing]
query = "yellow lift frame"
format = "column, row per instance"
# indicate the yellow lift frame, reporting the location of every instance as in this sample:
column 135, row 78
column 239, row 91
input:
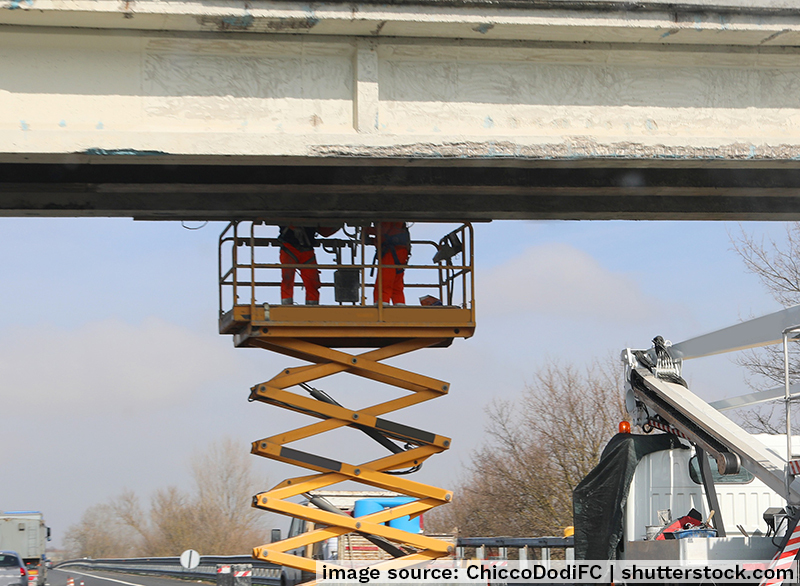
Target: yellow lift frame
column 317, row 334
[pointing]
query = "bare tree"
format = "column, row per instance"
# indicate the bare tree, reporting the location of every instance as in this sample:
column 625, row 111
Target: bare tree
column 539, row 448
column 128, row 512
column 99, row 534
column 170, row 526
column 217, row 518
column 174, row 525
column 225, row 486
column 774, row 263
column 776, row 266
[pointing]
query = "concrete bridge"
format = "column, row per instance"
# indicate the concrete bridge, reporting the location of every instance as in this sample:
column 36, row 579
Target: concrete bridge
column 440, row 109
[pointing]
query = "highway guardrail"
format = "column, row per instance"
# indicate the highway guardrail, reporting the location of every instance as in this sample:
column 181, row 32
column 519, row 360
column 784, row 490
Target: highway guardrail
column 263, row 572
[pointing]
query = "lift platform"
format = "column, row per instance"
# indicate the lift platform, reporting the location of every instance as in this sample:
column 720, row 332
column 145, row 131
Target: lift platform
column 348, row 317
column 346, row 327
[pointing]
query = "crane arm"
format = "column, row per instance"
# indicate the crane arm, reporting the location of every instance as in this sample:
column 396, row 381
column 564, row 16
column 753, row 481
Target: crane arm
column 657, row 396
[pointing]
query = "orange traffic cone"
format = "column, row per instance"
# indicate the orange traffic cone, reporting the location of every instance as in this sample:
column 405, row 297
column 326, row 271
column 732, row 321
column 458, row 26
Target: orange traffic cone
column 70, row 582
column 81, row 582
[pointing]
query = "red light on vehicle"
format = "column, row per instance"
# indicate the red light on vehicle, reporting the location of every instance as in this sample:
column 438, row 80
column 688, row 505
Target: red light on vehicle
column 22, row 572
column 624, row 427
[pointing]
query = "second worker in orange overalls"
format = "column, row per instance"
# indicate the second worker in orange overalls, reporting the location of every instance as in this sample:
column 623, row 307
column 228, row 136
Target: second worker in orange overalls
column 395, row 250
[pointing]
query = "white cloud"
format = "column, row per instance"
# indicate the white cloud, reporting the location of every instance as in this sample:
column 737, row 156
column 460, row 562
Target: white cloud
column 560, row 280
column 108, row 364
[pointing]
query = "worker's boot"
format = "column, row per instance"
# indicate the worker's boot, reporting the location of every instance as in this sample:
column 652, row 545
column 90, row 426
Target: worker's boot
column 287, row 301
column 312, row 302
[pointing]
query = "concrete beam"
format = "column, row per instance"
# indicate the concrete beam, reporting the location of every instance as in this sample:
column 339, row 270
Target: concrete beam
column 276, row 96
column 693, row 96
column 716, row 22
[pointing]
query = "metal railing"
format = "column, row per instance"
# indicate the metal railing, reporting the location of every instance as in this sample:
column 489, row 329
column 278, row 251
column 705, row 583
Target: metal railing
column 250, row 275
column 263, row 572
column 522, row 548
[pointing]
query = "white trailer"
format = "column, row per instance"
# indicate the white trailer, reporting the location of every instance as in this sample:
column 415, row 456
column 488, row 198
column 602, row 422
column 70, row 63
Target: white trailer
column 25, row 532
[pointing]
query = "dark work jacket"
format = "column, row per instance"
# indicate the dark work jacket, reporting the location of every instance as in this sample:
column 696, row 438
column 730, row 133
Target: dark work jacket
column 302, row 238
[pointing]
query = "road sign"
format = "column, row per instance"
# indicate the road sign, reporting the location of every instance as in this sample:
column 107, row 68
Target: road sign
column 190, row 559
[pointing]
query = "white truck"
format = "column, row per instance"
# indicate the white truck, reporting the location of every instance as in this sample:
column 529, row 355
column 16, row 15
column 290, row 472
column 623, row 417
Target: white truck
column 25, row 532
column 350, row 546
column 703, row 461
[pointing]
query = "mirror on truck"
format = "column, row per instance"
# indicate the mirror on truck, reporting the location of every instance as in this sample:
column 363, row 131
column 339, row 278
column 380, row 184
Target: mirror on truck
column 276, row 535
column 48, row 534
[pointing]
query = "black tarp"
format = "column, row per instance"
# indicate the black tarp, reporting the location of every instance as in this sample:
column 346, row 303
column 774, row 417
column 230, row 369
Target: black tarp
column 598, row 502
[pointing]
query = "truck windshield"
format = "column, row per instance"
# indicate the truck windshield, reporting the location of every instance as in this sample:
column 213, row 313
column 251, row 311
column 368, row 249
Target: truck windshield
column 742, row 477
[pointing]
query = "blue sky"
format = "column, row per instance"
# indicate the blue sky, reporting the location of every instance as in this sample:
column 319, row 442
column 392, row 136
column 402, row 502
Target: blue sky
column 112, row 374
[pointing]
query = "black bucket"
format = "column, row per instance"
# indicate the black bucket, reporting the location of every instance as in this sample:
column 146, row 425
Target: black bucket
column 346, row 285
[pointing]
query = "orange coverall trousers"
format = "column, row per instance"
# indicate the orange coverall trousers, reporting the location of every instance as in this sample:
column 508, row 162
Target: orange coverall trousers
column 392, row 281
column 310, row 277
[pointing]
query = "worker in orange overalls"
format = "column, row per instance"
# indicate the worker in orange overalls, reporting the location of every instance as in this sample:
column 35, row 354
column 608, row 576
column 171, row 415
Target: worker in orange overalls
column 297, row 247
column 395, row 250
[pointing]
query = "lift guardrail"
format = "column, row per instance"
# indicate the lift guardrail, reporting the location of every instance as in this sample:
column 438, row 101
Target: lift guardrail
column 250, row 274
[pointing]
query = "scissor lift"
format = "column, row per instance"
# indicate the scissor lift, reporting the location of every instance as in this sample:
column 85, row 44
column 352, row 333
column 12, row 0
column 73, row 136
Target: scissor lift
column 345, row 319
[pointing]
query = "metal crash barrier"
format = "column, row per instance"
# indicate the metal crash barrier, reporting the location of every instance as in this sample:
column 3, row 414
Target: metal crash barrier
column 262, row 572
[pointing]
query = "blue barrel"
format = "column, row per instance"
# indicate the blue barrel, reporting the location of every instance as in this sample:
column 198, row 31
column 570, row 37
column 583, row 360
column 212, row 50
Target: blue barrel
column 368, row 506
column 698, row 532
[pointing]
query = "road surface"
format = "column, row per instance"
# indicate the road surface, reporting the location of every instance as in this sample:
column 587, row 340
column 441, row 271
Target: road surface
column 84, row 577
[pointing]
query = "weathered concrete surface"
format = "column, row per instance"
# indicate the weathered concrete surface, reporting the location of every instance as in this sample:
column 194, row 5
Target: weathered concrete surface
column 284, row 95
column 761, row 22
column 694, row 85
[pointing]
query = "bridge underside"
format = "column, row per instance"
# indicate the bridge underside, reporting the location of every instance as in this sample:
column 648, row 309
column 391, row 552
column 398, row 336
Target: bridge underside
column 410, row 189
column 464, row 111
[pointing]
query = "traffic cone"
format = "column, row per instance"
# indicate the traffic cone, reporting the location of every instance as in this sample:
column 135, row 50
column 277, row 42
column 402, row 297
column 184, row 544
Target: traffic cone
column 81, row 582
column 70, row 582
